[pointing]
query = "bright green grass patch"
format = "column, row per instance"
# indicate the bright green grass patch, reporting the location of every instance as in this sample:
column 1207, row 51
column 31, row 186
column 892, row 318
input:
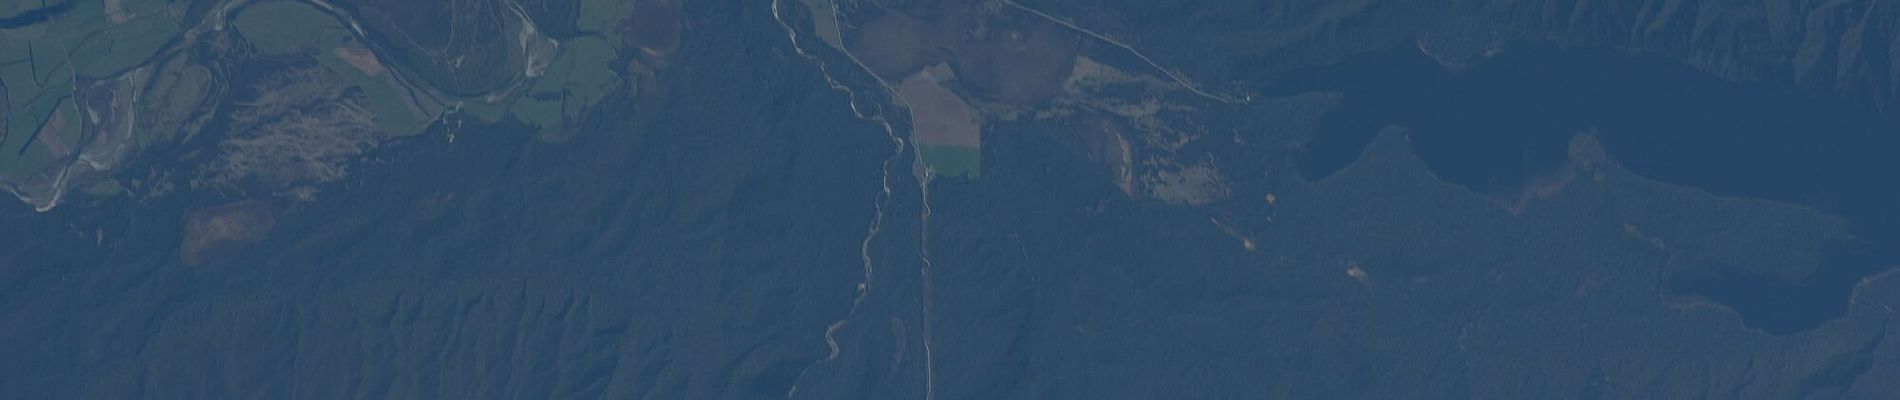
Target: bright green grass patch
column 50, row 64
column 394, row 113
column 19, row 78
column 284, row 27
column 106, row 188
column 32, row 105
column 123, row 46
column 43, row 60
column 85, row 36
column 952, row 160
column 484, row 111
column 578, row 78
column 591, row 76
column 16, row 165
column 542, row 112
column 101, row 48
column 603, row 16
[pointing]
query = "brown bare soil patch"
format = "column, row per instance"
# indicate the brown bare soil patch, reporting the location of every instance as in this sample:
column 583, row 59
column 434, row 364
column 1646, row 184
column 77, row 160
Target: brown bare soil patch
column 1586, row 152
column 49, row 136
column 937, row 115
column 214, row 231
column 361, row 58
column 640, row 77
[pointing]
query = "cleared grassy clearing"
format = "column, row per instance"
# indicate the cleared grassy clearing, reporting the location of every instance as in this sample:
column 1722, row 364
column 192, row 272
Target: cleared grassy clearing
column 957, row 161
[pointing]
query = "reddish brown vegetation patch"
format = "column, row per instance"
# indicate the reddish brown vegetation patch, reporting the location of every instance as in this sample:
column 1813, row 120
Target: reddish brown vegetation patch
column 891, row 46
column 1018, row 66
column 1005, row 58
column 1586, row 152
column 655, row 26
column 639, row 77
